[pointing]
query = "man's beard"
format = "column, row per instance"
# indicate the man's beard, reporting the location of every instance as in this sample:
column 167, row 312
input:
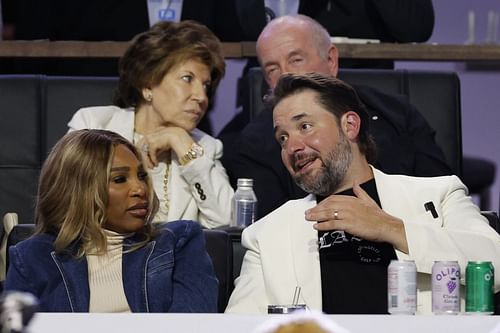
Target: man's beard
column 328, row 179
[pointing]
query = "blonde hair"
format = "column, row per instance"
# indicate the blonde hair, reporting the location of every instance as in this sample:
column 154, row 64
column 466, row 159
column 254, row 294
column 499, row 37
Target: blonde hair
column 72, row 195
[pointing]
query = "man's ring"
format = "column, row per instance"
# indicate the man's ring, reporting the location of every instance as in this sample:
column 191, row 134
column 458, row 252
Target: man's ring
column 145, row 148
column 335, row 214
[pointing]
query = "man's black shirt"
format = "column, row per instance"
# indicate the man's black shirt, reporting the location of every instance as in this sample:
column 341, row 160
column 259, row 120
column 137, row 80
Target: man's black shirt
column 354, row 270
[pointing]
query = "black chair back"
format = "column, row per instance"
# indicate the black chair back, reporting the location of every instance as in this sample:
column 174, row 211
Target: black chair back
column 220, row 248
column 35, row 112
column 493, row 219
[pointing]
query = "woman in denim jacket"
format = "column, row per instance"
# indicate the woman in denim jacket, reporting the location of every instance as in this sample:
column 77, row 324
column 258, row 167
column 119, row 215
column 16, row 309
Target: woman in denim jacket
column 95, row 249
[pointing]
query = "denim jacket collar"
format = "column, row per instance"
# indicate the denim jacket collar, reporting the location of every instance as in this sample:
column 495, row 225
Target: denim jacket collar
column 74, row 273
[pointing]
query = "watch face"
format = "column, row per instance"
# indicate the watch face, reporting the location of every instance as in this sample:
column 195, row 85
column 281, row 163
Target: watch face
column 197, row 150
column 194, row 152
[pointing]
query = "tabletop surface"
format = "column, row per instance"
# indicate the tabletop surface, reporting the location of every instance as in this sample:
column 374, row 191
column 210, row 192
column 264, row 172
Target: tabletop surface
column 221, row 323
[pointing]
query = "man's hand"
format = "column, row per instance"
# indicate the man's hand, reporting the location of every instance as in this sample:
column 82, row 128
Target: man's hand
column 359, row 216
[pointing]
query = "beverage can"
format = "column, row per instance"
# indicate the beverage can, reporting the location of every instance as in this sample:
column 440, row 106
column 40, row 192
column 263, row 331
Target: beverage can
column 446, row 287
column 402, row 287
column 479, row 284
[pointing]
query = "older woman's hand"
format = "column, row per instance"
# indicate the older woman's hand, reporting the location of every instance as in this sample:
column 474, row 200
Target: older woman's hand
column 162, row 141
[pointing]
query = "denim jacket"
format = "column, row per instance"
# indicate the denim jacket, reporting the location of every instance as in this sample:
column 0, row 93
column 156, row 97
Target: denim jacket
column 172, row 273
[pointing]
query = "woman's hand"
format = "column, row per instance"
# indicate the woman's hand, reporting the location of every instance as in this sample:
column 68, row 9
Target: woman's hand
column 164, row 140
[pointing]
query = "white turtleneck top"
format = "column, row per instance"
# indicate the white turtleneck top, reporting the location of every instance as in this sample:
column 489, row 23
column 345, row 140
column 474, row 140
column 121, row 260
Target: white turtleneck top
column 105, row 277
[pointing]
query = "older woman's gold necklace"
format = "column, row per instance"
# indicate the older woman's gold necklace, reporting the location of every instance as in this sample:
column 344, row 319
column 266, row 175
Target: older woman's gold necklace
column 167, row 161
column 165, row 188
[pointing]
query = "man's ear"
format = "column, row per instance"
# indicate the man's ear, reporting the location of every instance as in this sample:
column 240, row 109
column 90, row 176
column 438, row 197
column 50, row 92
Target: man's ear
column 333, row 60
column 351, row 124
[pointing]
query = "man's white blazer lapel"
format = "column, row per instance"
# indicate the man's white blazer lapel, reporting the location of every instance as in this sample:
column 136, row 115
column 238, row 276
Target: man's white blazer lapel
column 394, row 198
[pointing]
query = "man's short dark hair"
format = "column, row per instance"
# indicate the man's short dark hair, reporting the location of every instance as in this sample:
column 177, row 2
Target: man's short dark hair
column 334, row 95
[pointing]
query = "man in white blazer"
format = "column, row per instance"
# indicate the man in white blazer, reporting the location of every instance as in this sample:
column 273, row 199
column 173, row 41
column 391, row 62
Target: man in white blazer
column 321, row 126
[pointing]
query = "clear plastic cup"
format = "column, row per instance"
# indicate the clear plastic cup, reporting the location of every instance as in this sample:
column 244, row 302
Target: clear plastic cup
column 284, row 309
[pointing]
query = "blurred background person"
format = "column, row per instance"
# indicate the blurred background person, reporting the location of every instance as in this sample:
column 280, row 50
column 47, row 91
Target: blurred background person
column 121, row 20
column 385, row 20
column 168, row 76
column 389, row 21
column 111, row 20
column 95, row 249
column 1, row 22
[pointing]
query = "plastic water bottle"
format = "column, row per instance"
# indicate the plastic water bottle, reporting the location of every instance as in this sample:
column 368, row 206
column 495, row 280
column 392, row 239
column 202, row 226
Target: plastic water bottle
column 244, row 203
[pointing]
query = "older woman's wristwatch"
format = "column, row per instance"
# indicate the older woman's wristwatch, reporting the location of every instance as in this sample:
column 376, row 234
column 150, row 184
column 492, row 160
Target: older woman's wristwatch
column 193, row 153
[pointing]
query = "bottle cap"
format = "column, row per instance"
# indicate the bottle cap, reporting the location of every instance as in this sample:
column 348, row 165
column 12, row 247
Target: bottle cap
column 248, row 182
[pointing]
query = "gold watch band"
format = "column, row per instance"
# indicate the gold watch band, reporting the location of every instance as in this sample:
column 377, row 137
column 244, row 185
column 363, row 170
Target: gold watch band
column 193, row 153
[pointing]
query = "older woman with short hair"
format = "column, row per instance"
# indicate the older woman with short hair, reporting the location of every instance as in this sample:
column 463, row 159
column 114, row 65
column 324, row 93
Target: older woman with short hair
column 167, row 77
